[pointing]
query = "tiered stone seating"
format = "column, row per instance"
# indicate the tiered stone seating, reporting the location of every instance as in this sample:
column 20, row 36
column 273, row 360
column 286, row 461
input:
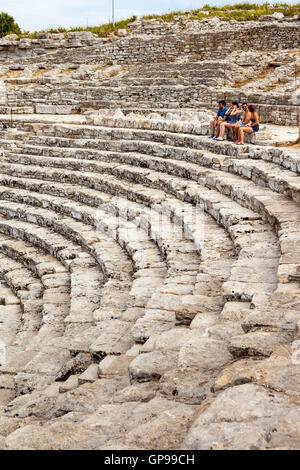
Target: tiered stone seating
column 149, row 276
column 188, row 83
column 197, row 301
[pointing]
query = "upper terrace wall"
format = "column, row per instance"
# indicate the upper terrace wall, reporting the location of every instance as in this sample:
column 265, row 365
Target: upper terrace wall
column 259, row 38
column 206, row 44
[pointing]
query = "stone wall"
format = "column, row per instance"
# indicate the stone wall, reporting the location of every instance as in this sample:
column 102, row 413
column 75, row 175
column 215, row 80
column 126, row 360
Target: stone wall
column 136, row 49
column 176, row 47
column 272, row 108
column 259, row 38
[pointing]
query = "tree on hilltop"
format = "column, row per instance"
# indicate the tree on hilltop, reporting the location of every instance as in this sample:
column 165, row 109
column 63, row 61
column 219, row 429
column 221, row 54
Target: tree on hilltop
column 8, row 25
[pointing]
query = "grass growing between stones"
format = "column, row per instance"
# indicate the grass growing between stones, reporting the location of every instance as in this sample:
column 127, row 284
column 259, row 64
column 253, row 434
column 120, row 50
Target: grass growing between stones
column 101, row 30
column 11, row 74
column 237, row 12
column 264, row 72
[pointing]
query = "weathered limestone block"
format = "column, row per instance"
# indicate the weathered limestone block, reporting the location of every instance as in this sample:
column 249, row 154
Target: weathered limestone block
column 204, row 353
column 114, row 365
column 250, row 424
column 89, row 375
column 139, row 392
column 53, row 109
column 188, row 385
column 152, row 365
column 258, row 343
column 70, row 384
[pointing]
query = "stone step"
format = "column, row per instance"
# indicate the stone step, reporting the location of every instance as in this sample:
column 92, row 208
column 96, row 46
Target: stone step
column 142, row 175
column 263, row 173
column 28, row 289
column 10, row 317
column 52, row 274
column 283, row 157
column 68, row 226
column 180, row 254
column 69, row 254
column 236, row 208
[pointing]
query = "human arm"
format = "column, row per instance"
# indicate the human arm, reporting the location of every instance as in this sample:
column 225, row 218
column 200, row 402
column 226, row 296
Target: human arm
column 256, row 122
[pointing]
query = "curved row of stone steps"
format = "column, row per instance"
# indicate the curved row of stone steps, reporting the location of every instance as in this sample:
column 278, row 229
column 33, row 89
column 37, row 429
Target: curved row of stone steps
column 12, row 405
column 271, row 264
column 286, row 184
column 56, row 283
column 247, row 193
column 152, row 141
column 9, row 210
column 39, row 358
column 183, row 213
column 84, row 301
column 264, row 170
column 24, row 356
column 189, row 362
column 228, row 218
column 28, row 289
column 62, row 249
column 10, row 320
column 262, row 173
column 52, row 274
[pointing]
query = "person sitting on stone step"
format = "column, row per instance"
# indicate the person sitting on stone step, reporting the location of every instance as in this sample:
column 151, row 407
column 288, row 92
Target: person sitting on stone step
column 232, row 117
column 244, row 121
column 214, row 123
column 250, row 128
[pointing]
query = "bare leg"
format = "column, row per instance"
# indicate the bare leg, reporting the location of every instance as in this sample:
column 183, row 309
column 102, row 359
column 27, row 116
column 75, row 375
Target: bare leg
column 240, row 136
column 248, row 130
column 236, row 130
column 213, row 126
column 218, row 128
column 227, row 126
column 222, row 129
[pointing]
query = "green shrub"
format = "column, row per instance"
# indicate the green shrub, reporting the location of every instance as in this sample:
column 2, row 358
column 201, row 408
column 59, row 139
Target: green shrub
column 8, row 25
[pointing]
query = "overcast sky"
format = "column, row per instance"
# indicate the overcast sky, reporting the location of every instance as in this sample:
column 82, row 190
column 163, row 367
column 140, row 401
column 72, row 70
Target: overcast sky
column 34, row 15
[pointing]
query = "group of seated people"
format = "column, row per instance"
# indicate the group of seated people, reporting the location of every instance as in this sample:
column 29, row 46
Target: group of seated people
column 238, row 122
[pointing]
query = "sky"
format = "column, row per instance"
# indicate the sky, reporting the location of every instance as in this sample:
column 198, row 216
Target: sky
column 32, row 15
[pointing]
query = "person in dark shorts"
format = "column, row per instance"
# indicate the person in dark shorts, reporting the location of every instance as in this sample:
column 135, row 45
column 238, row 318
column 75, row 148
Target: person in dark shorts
column 250, row 128
column 214, row 123
column 232, row 117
